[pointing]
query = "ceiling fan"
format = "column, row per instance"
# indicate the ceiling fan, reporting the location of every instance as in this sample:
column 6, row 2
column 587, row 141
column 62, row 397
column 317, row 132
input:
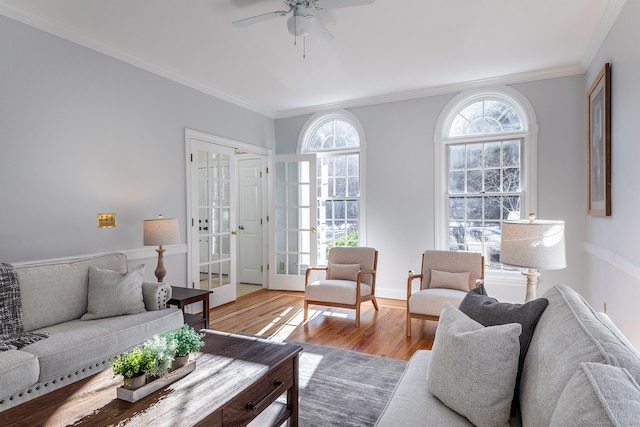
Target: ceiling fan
column 302, row 22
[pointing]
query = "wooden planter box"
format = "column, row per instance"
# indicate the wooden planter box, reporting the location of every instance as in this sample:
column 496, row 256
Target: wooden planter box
column 137, row 394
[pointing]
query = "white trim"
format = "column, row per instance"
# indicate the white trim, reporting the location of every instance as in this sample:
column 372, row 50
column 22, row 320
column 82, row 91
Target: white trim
column 93, row 44
column 613, row 259
column 147, row 252
column 227, row 142
column 511, row 79
column 529, row 133
column 611, row 14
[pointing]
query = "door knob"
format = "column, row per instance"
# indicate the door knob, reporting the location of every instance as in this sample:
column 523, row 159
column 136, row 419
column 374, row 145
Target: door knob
column 313, row 229
column 234, row 233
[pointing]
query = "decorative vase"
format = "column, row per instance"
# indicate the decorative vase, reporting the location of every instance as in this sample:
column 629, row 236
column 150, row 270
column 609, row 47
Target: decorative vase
column 179, row 361
column 136, row 382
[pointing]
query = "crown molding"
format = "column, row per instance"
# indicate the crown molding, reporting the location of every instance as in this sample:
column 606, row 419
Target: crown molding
column 602, row 30
column 438, row 90
column 90, row 43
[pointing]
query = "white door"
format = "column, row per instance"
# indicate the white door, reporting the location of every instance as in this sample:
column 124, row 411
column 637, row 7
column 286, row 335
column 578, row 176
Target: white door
column 250, row 221
column 212, row 179
column 293, row 220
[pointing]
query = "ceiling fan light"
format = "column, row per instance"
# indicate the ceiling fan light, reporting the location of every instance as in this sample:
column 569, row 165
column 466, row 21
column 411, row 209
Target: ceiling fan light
column 298, row 26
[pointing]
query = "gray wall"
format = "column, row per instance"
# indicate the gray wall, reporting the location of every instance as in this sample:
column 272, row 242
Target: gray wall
column 400, row 178
column 83, row 133
column 611, row 244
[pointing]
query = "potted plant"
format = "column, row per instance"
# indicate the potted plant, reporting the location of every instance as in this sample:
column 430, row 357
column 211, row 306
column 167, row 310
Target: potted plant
column 187, row 341
column 161, row 353
column 132, row 366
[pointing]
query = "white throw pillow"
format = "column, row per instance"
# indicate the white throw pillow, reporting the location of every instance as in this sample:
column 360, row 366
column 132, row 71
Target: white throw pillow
column 112, row 293
column 444, row 279
column 473, row 368
column 598, row 394
column 344, row 271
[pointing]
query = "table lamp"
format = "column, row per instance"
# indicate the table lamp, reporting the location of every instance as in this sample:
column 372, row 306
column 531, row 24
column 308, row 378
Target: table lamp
column 534, row 245
column 161, row 231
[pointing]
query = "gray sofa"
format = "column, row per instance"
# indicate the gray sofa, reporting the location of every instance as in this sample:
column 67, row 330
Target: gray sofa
column 54, row 298
column 579, row 370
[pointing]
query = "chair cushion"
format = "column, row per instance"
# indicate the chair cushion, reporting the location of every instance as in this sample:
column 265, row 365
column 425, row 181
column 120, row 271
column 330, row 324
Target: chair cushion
column 598, row 394
column 429, row 301
column 445, row 279
column 113, row 294
column 338, row 291
column 473, row 368
column 344, row 271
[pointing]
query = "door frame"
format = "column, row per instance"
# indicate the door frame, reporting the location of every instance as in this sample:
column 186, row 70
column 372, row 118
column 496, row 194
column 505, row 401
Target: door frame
column 191, row 134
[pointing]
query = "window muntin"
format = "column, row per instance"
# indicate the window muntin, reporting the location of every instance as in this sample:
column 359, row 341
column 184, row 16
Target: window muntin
column 484, row 188
column 483, row 117
column 337, row 143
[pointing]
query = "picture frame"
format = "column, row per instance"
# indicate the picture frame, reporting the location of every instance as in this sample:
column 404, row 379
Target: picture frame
column 599, row 144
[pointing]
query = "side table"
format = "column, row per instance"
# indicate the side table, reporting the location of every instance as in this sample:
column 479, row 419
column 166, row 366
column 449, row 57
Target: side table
column 182, row 297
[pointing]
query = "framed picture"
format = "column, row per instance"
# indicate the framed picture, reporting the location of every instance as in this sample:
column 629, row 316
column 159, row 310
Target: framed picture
column 599, row 143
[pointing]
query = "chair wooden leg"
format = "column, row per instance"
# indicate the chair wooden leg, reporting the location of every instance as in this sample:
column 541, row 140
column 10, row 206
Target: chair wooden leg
column 306, row 310
column 358, row 316
column 375, row 303
column 408, row 324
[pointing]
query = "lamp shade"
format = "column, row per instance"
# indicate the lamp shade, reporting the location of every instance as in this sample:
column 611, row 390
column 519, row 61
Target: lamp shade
column 161, row 231
column 533, row 244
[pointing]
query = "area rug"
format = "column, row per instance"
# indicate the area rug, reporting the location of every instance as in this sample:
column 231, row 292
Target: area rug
column 344, row 388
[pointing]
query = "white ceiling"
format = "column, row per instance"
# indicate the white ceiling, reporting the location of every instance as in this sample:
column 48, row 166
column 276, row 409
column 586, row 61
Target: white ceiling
column 387, row 51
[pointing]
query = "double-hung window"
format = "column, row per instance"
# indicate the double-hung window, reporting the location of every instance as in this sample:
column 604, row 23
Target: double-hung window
column 486, row 174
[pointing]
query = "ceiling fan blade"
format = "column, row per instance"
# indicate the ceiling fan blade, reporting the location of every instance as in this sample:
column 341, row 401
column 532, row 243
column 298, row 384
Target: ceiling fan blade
column 259, row 18
column 335, row 4
column 319, row 31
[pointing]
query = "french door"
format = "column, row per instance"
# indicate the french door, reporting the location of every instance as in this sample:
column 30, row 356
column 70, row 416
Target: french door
column 212, row 206
column 293, row 220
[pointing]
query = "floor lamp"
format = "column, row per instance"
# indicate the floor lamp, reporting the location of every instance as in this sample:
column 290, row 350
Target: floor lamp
column 534, row 245
column 161, row 231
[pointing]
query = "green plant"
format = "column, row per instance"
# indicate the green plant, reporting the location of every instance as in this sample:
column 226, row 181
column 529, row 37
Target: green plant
column 131, row 364
column 161, row 353
column 349, row 239
column 187, row 340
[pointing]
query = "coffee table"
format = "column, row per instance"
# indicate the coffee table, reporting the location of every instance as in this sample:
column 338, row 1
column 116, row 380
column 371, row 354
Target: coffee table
column 236, row 378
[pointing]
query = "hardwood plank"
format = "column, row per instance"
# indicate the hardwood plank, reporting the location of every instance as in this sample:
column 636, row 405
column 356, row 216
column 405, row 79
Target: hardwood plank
column 279, row 314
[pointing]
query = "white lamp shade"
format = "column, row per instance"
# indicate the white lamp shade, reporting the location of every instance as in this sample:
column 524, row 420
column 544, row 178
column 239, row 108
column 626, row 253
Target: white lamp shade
column 161, row 231
column 538, row 244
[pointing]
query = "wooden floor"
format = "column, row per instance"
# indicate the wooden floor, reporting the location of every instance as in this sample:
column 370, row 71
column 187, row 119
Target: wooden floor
column 279, row 314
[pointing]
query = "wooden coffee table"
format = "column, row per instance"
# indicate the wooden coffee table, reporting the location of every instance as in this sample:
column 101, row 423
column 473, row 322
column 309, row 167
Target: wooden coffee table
column 235, row 380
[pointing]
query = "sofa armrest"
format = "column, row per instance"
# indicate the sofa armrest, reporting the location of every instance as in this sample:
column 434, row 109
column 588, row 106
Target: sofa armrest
column 155, row 295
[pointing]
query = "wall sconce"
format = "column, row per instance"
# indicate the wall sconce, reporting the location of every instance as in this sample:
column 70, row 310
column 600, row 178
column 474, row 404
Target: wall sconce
column 106, row 220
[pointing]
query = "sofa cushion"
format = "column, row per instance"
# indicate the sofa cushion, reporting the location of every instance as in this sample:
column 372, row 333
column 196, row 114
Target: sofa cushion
column 79, row 343
column 413, row 405
column 112, row 293
column 489, row 312
column 598, row 394
column 445, row 279
column 473, row 368
column 568, row 333
column 344, row 271
column 18, row 370
column 56, row 291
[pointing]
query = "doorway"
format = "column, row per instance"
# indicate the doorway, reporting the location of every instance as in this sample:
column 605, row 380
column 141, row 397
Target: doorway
column 215, row 240
column 250, row 223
